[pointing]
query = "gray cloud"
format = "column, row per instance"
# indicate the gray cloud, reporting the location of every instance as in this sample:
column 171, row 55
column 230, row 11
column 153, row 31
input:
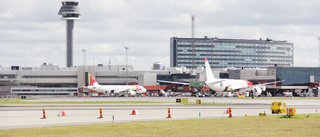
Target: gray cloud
column 32, row 33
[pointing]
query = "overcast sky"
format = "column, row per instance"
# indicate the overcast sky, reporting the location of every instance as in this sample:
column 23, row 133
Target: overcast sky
column 31, row 32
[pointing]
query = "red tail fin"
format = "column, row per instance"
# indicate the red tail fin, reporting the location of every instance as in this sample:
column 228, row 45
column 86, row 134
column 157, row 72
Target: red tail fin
column 92, row 81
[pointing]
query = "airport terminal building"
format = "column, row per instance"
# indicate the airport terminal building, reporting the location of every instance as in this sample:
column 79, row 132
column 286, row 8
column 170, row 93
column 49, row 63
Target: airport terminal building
column 49, row 79
column 223, row 53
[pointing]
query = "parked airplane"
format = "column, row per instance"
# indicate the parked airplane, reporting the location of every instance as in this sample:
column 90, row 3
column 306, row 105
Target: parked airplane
column 220, row 85
column 165, row 94
column 115, row 89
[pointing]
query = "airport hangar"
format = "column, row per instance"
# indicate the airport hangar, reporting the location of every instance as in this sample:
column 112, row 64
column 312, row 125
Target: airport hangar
column 261, row 61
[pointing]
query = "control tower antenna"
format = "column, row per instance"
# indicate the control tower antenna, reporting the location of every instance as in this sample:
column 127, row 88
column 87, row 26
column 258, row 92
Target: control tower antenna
column 192, row 43
column 70, row 12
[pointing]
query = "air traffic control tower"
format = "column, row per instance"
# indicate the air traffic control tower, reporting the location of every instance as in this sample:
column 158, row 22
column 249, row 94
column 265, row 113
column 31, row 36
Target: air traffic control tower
column 70, row 12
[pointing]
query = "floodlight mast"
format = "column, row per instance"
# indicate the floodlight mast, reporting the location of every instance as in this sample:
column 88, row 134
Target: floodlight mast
column 84, row 57
column 319, row 62
column 192, row 43
column 319, row 51
column 126, row 64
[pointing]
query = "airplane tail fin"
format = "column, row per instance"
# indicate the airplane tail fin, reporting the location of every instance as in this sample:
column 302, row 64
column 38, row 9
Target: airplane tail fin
column 92, row 81
column 209, row 74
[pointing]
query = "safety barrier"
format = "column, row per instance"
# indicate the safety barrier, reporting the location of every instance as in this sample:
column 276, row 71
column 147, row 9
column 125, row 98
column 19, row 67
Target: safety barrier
column 183, row 100
column 291, row 111
column 241, row 96
column 198, row 102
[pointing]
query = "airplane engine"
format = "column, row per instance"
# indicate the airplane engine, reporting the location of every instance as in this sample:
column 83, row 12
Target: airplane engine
column 258, row 90
column 163, row 93
column 229, row 89
column 132, row 93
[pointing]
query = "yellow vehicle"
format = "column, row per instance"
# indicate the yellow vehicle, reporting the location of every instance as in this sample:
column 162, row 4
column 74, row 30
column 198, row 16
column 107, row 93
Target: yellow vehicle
column 278, row 107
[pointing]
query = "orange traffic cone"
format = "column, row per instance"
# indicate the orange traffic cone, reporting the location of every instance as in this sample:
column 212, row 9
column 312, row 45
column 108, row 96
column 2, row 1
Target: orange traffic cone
column 134, row 112
column 62, row 113
column 227, row 111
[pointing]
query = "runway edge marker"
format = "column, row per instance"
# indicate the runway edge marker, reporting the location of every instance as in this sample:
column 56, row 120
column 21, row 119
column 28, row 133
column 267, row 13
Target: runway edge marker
column 169, row 113
column 100, row 113
column 44, row 114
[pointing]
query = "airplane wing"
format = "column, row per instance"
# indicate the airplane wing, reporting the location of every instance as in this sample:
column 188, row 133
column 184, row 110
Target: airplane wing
column 264, row 84
column 123, row 90
column 197, row 83
column 173, row 82
column 217, row 81
column 257, row 85
column 191, row 83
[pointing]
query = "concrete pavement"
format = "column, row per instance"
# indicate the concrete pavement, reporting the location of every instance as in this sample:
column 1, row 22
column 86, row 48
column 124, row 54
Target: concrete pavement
column 27, row 116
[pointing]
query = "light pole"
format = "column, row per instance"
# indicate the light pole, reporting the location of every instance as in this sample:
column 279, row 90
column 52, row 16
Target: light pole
column 319, row 64
column 84, row 57
column 85, row 68
column 319, row 51
column 193, row 46
column 126, row 64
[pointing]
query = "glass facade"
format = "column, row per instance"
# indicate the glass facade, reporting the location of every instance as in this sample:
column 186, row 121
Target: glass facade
column 294, row 76
column 223, row 53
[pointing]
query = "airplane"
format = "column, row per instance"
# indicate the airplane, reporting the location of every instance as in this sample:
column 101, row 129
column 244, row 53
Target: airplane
column 169, row 93
column 132, row 90
column 165, row 94
column 231, row 85
column 197, row 85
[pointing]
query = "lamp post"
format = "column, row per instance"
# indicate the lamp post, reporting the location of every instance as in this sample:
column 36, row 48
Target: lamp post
column 126, row 64
column 319, row 51
column 84, row 56
column 319, row 65
column 84, row 59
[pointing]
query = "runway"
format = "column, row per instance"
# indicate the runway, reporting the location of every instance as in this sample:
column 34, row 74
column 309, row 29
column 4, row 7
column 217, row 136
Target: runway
column 27, row 116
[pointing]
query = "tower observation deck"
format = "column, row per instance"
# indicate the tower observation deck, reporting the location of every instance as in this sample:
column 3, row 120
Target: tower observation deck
column 70, row 12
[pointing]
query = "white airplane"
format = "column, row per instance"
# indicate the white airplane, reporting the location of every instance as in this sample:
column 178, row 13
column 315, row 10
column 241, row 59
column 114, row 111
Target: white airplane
column 115, row 89
column 168, row 93
column 231, row 85
column 163, row 93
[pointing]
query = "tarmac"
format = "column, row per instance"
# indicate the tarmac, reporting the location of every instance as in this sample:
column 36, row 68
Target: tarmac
column 29, row 116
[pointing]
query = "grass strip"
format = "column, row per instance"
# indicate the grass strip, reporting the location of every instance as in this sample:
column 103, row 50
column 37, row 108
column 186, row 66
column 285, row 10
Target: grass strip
column 301, row 125
column 73, row 102
column 17, row 101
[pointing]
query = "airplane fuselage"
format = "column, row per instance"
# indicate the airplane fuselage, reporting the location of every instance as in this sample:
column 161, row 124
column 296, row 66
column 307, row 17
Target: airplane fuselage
column 220, row 85
column 132, row 90
column 107, row 89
